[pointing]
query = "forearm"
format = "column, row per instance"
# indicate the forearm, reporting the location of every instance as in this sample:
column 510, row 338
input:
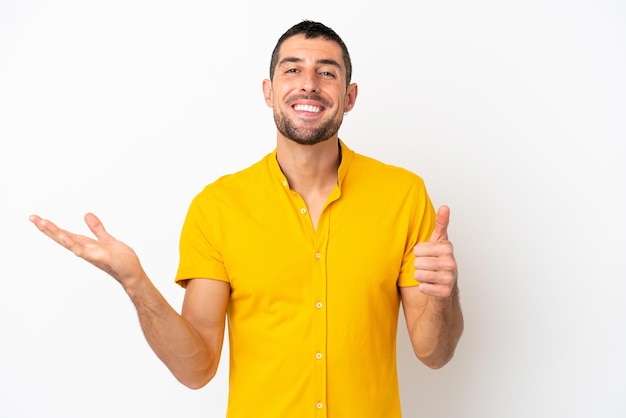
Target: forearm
column 437, row 329
column 190, row 352
column 190, row 358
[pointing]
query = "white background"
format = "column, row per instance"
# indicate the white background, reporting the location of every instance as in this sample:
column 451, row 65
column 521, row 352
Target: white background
column 512, row 112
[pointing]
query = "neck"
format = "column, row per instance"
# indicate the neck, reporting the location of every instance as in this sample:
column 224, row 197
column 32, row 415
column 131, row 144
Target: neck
column 309, row 168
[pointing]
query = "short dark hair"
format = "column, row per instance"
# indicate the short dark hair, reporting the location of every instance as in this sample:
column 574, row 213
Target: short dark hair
column 311, row 30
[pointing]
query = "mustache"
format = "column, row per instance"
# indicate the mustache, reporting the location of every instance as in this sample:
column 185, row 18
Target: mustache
column 312, row 96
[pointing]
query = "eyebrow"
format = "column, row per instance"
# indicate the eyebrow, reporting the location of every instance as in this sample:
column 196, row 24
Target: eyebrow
column 325, row 61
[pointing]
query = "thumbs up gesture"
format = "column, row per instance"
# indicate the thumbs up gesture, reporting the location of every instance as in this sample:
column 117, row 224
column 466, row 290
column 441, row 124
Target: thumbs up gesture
column 435, row 266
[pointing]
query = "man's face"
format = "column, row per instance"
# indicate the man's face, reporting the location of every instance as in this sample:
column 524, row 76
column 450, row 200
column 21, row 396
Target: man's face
column 308, row 93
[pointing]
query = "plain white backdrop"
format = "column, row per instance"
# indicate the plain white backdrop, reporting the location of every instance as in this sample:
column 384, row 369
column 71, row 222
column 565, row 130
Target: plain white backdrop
column 513, row 112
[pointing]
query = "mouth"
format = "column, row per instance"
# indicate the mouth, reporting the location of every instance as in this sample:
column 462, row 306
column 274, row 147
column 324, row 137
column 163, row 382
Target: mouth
column 307, row 108
column 310, row 105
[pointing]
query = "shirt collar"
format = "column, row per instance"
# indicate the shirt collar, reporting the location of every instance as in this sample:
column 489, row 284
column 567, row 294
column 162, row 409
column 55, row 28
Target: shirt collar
column 347, row 156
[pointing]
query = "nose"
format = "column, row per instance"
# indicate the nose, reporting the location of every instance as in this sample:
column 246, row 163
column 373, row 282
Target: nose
column 310, row 83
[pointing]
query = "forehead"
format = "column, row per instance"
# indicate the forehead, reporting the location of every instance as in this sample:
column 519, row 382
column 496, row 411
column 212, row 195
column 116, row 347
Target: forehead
column 299, row 46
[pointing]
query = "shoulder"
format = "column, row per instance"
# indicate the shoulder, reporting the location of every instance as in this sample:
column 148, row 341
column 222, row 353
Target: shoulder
column 242, row 181
column 370, row 170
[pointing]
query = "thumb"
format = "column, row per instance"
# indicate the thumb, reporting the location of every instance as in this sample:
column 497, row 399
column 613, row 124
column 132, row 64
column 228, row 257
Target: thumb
column 441, row 225
column 96, row 226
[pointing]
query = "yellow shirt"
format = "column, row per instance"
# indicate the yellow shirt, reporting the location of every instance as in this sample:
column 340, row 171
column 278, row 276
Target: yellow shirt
column 312, row 317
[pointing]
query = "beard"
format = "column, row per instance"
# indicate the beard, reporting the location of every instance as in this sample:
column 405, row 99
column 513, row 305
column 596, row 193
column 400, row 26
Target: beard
column 306, row 135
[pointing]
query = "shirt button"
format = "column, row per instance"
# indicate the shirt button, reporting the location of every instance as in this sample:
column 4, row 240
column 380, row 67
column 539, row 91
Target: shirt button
column 303, row 211
column 318, row 356
column 319, row 405
column 285, row 183
column 318, row 255
column 318, row 305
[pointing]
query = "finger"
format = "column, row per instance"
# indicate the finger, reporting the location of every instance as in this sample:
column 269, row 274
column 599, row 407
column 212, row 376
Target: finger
column 426, row 263
column 96, row 226
column 45, row 226
column 441, row 228
column 433, row 249
column 52, row 231
column 435, row 290
column 436, row 283
column 426, row 276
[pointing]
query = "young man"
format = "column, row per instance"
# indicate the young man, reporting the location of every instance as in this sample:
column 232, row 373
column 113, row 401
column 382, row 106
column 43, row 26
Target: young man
column 309, row 253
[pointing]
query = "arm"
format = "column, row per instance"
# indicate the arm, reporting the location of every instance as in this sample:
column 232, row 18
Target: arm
column 189, row 344
column 432, row 309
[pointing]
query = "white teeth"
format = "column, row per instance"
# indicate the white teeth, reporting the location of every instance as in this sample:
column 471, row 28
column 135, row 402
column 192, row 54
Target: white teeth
column 307, row 108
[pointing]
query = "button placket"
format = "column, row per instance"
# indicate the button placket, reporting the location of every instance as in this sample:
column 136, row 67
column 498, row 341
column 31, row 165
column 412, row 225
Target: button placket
column 320, row 312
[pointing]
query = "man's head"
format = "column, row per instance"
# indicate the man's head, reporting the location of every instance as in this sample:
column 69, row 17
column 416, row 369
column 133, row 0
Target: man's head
column 309, row 88
column 312, row 30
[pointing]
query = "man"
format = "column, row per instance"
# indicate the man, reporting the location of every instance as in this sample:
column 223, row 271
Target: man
column 310, row 251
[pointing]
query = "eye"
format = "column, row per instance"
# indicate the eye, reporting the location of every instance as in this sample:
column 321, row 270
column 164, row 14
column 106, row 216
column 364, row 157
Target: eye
column 328, row 74
column 291, row 71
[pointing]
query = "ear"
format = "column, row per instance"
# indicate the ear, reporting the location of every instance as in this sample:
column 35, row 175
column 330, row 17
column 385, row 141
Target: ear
column 351, row 93
column 267, row 93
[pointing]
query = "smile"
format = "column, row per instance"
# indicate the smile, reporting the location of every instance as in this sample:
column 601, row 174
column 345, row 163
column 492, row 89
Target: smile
column 307, row 108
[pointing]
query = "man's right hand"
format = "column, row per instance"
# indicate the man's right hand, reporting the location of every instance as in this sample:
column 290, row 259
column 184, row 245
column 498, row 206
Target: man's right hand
column 104, row 252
